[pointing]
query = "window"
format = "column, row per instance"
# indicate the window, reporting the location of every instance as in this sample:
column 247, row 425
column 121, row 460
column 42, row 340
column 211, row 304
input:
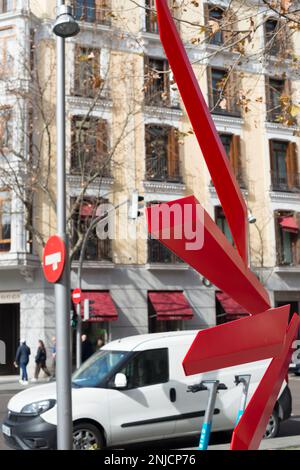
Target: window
column 151, row 17
column 215, row 18
column 232, row 146
column 7, row 52
column 93, row 11
column 89, row 152
column 222, row 223
column 157, row 82
column 284, row 166
column 147, row 368
column 220, row 25
column 5, row 221
column 223, row 89
column 277, row 37
column 87, row 72
column 278, row 97
column 162, row 154
column 96, row 249
column 159, row 253
column 97, row 368
column 287, row 227
column 5, row 129
column 6, row 6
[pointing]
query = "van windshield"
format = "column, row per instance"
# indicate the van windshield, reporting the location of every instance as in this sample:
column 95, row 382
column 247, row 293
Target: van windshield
column 97, row 367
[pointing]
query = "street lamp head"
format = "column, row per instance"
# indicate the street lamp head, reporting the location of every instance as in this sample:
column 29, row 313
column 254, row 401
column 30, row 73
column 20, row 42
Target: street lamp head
column 65, row 25
column 251, row 218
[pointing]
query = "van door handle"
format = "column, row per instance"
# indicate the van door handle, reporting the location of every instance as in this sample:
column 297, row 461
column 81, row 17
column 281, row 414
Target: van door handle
column 172, row 395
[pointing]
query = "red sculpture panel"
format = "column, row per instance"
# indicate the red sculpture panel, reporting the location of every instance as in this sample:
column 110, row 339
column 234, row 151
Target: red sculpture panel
column 266, row 333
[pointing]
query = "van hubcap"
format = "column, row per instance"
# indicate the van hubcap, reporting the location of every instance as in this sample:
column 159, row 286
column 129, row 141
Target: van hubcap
column 84, row 439
column 270, row 428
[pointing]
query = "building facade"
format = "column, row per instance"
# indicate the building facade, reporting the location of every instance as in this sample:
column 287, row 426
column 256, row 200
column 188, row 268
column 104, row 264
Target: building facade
column 127, row 130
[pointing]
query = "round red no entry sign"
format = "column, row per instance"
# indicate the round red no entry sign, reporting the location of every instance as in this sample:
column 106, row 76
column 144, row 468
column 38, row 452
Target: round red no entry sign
column 54, row 258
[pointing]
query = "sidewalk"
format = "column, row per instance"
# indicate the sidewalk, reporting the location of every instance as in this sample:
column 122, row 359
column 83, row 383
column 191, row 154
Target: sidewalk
column 10, row 383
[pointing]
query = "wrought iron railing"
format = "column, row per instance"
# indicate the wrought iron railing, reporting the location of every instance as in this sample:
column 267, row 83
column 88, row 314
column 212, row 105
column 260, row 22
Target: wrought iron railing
column 285, row 183
column 158, row 253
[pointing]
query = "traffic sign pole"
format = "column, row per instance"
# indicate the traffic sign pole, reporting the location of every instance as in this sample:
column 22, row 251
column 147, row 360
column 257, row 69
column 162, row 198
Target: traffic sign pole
column 62, row 287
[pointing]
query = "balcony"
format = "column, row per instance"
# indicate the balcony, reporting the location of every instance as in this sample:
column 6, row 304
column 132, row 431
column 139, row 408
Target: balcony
column 283, row 183
column 97, row 250
column 158, row 172
column 159, row 254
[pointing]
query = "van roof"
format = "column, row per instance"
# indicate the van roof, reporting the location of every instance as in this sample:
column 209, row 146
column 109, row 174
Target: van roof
column 130, row 343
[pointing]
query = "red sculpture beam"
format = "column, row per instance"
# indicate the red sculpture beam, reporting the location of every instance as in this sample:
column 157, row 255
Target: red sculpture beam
column 252, row 425
column 217, row 260
column 213, row 151
column 247, row 340
column 250, row 339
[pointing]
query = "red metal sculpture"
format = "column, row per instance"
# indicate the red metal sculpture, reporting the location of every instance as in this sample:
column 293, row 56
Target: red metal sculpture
column 264, row 334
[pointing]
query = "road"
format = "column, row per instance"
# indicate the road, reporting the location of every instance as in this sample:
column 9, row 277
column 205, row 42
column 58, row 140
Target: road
column 288, row 428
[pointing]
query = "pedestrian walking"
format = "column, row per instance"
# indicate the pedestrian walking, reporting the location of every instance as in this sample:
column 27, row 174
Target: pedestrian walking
column 40, row 361
column 53, row 353
column 86, row 349
column 22, row 360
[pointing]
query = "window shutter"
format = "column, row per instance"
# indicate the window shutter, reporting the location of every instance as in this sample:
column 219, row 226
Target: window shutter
column 96, row 79
column 173, row 154
column 291, row 164
column 231, row 93
column 102, row 139
column 228, row 27
column 235, row 155
column 268, row 95
column 166, row 83
column 101, row 155
column 102, row 7
column 77, row 78
column 74, row 146
column 210, row 89
column 285, row 38
column 206, row 19
column 287, row 88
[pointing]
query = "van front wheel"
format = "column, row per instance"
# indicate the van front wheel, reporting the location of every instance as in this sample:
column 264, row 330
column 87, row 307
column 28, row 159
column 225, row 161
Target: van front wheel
column 273, row 426
column 86, row 436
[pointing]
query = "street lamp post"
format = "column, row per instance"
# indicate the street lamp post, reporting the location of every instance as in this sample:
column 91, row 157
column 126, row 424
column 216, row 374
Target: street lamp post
column 65, row 26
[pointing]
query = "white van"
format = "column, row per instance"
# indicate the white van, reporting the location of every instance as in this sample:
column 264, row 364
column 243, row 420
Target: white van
column 134, row 390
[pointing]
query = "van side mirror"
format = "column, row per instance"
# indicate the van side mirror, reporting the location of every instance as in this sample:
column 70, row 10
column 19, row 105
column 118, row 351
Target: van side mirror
column 120, row 381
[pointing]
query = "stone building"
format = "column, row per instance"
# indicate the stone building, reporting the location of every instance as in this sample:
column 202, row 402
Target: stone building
column 124, row 111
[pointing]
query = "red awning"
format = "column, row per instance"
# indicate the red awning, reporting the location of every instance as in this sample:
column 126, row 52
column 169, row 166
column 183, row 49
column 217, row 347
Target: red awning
column 230, row 306
column 289, row 224
column 171, row 306
column 102, row 306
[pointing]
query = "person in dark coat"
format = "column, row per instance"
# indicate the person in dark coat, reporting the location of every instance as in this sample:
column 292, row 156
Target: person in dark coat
column 22, row 359
column 40, row 361
column 86, row 348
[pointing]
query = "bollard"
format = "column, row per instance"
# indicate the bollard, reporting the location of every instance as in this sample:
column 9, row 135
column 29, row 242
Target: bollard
column 245, row 381
column 212, row 386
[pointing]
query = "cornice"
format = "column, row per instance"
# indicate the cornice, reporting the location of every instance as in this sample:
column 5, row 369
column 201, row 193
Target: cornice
column 163, row 112
column 282, row 196
column 164, row 187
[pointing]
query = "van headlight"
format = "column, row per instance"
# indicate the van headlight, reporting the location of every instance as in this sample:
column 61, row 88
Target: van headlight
column 38, row 407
